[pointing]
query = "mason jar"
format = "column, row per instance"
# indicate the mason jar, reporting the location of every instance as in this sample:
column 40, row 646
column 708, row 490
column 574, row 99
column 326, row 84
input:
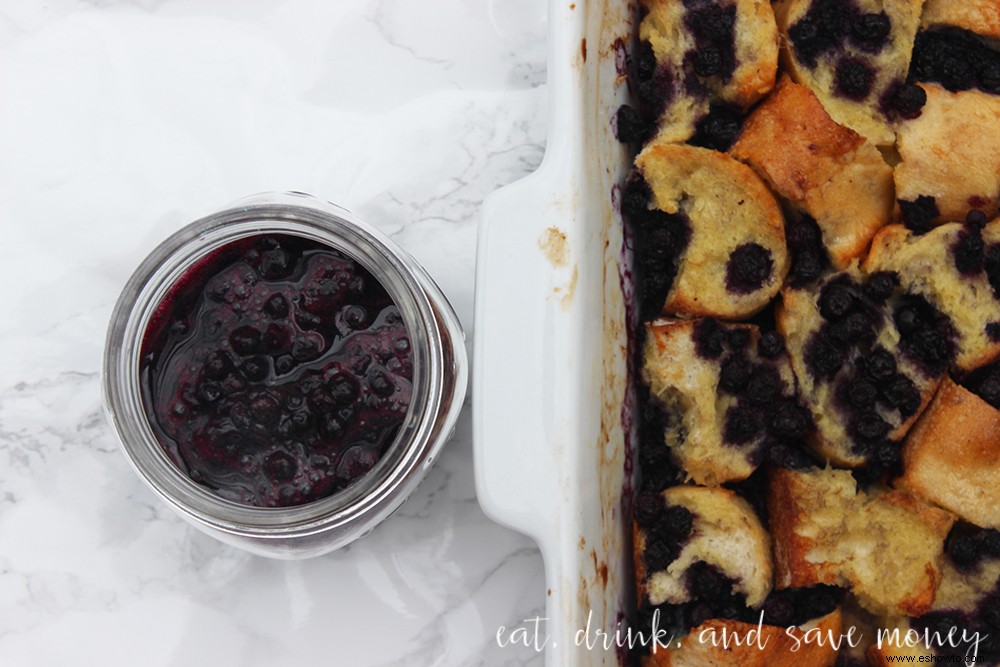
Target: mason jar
column 439, row 379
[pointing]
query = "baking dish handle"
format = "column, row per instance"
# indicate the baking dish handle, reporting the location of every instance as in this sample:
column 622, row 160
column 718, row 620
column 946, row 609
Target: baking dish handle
column 520, row 289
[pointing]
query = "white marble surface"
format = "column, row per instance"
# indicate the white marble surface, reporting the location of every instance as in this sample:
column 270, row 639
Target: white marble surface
column 122, row 120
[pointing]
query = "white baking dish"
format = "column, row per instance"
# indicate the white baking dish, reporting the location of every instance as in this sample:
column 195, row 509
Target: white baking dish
column 550, row 392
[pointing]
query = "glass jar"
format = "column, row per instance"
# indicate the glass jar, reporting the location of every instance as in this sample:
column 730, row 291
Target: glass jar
column 440, row 376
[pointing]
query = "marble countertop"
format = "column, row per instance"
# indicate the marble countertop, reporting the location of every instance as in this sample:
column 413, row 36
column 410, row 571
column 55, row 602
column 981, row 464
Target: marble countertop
column 120, row 121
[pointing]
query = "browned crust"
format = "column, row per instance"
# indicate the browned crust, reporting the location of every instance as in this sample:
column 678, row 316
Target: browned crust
column 979, row 16
column 952, row 456
column 815, row 163
column 638, row 547
column 791, row 568
column 777, row 651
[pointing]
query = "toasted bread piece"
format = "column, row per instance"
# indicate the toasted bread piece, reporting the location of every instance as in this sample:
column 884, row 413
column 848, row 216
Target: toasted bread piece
column 951, row 153
column 852, row 77
column 884, row 545
column 978, row 16
column 703, row 390
column 725, row 533
column 957, row 605
column 863, row 394
column 736, row 258
column 703, row 647
column 746, row 64
column 946, row 266
column 824, row 169
column 952, row 455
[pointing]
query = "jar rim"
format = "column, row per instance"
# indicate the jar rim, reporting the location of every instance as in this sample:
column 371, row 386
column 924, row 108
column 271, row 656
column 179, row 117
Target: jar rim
column 370, row 498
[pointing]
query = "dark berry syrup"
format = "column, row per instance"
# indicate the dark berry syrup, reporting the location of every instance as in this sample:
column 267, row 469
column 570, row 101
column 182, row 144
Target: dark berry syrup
column 276, row 371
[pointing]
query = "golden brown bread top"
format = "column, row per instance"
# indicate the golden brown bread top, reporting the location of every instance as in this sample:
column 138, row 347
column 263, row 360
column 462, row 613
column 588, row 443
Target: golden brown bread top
column 755, row 52
column 952, row 152
column 979, row 16
column 952, row 456
column 728, row 206
column 780, row 649
column 726, row 533
column 885, row 545
column 824, row 168
column 926, row 266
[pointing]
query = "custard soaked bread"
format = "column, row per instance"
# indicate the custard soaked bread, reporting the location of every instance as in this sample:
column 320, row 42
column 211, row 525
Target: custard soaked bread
column 728, row 395
column 863, row 376
column 855, row 55
column 884, row 545
column 710, row 230
column 699, row 65
column 820, row 167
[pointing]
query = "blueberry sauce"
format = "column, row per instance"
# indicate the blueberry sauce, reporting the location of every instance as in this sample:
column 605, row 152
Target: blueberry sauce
column 957, row 59
column 276, row 371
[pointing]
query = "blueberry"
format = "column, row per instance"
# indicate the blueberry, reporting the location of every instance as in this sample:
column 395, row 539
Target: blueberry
column 677, row 521
column 631, row 127
column 209, row 391
column 968, row 250
column 779, row 610
column 274, row 263
column 881, row 285
column 306, row 348
column 381, row 385
column 861, row 393
column 735, row 374
column 835, row 301
column 919, row 214
column 771, row 344
column 822, row 358
column 280, row 466
column 276, row 337
column 707, row 582
column 790, row 420
column 748, row 268
column 265, row 410
column 871, row 30
column 658, row 555
column 648, row 507
column 975, row 218
column 307, row 321
column 993, row 331
column 719, row 128
column 255, row 368
column 853, row 78
column 712, row 22
column 870, row 426
column 343, row 389
column 905, row 100
column 963, row 551
column 709, row 338
column 901, row 393
column 245, row 340
column 886, row 454
column 991, row 263
column 636, row 196
column 284, row 364
column 991, row 542
column 645, row 61
column 217, row 365
column 880, row 365
column 764, row 386
column 742, row 424
column 708, row 61
column 276, row 307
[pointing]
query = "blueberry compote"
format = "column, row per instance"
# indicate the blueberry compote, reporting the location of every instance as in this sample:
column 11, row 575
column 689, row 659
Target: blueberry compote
column 276, row 371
